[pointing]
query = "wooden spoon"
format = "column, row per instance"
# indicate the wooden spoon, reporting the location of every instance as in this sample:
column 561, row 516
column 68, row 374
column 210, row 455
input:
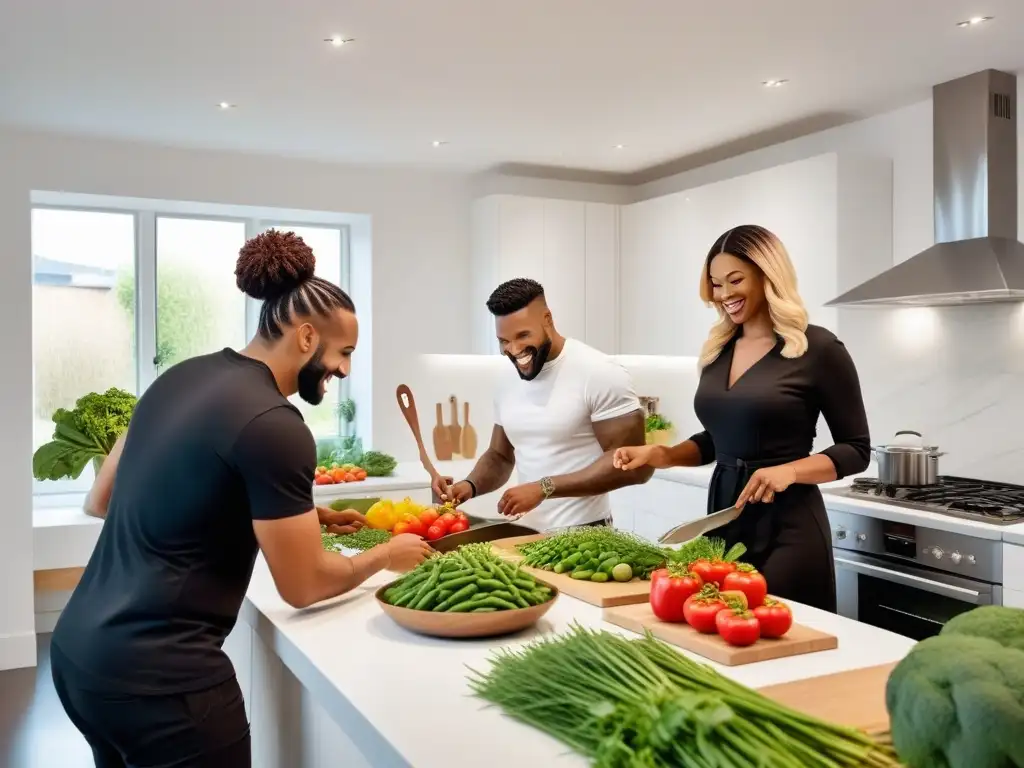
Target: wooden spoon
column 407, row 404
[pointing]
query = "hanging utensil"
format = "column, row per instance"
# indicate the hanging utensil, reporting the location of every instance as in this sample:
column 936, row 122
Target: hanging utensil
column 407, row 404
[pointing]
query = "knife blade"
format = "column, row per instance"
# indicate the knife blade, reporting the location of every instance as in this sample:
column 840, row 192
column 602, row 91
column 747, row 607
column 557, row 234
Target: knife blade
column 691, row 530
column 481, row 533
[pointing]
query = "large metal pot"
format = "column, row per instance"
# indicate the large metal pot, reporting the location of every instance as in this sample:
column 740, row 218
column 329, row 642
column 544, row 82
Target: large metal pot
column 907, row 462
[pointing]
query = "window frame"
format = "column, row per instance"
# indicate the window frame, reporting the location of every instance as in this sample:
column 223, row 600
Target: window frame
column 146, row 309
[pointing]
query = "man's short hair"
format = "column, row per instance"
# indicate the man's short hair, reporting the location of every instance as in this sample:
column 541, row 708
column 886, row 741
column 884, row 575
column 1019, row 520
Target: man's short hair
column 513, row 295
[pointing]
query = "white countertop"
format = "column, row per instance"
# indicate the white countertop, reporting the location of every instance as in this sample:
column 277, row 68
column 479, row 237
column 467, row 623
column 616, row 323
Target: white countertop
column 381, row 691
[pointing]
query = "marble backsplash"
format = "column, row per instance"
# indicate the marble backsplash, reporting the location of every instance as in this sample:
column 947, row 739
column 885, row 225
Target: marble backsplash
column 954, row 374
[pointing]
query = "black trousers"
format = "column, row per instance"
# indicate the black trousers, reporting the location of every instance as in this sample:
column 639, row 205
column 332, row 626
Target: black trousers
column 205, row 729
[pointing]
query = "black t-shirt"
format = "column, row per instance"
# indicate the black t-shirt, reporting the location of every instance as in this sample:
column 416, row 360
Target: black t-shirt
column 212, row 446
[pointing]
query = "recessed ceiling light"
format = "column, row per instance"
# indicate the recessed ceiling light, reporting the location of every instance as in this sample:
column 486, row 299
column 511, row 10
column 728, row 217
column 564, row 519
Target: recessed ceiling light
column 439, row 143
column 620, row 146
column 974, row 21
column 225, row 105
column 337, row 40
column 774, row 83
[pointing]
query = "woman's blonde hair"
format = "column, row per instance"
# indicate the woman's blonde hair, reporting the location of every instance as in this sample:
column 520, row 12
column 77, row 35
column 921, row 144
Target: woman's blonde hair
column 788, row 313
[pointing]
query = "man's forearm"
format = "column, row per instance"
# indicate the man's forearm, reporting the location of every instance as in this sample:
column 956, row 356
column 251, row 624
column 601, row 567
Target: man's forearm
column 491, row 472
column 337, row 574
column 600, row 477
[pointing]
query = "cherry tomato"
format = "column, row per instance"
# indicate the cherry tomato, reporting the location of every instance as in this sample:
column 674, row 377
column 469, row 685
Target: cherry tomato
column 747, row 580
column 324, row 479
column 348, row 477
column 447, row 519
column 321, row 470
column 774, row 617
column 738, row 627
column 669, row 591
column 415, row 527
column 360, row 474
column 435, row 532
column 428, row 517
column 402, row 526
column 458, row 526
column 338, row 475
column 700, row 611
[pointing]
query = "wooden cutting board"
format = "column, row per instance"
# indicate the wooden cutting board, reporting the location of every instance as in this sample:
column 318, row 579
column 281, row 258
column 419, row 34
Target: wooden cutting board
column 468, row 444
column 606, row 595
column 797, row 641
column 855, row 698
column 442, row 437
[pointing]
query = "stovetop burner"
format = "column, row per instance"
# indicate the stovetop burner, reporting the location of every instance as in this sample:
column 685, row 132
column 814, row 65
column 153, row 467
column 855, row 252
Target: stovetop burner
column 990, row 502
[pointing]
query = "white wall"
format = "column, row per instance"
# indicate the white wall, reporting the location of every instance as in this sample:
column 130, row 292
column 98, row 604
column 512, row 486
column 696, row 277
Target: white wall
column 956, row 374
column 420, row 252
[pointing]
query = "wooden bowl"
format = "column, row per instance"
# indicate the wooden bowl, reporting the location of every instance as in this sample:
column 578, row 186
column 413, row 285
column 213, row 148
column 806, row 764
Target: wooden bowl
column 442, row 624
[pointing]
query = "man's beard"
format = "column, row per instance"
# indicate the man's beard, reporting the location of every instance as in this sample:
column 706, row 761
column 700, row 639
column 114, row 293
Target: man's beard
column 540, row 356
column 311, row 375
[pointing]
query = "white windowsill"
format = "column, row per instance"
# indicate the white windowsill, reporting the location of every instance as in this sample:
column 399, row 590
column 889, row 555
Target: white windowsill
column 63, row 536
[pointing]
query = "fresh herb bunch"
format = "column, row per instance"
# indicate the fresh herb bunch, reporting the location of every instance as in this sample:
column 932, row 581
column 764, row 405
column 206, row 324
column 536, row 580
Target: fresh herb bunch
column 363, row 539
column 472, row 579
column 641, row 704
column 704, row 548
column 87, row 431
column 655, row 422
column 377, row 464
column 586, row 553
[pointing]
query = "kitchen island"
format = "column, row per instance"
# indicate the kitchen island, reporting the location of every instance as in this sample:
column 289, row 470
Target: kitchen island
column 341, row 684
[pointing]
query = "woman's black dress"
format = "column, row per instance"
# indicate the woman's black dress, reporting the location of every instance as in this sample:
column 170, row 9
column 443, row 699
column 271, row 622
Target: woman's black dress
column 767, row 418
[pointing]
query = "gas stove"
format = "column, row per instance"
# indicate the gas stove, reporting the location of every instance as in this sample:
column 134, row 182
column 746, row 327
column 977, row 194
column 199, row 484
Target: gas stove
column 981, row 500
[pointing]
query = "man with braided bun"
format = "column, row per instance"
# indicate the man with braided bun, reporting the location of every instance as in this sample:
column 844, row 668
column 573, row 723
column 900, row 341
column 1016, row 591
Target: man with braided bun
column 216, row 464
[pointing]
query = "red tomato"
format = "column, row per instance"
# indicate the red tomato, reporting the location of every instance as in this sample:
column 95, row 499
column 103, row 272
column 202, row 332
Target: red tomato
column 348, row 477
column 402, row 526
column 415, row 526
column 774, row 617
column 446, row 519
column 338, row 475
column 458, row 526
column 738, row 627
column 324, row 479
column 435, row 532
column 702, row 568
column 719, row 570
column 747, row 580
column 360, row 474
column 669, row 591
column 428, row 517
column 700, row 611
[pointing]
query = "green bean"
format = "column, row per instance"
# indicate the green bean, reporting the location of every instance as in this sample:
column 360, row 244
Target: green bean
column 466, row 592
column 456, row 574
column 428, row 600
column 581, row 575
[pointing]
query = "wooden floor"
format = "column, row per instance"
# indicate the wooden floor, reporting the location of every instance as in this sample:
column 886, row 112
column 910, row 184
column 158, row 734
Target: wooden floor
column 34, row 731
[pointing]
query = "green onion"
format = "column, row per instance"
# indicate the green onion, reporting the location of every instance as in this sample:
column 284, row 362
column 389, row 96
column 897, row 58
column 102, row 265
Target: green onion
column 640, row 704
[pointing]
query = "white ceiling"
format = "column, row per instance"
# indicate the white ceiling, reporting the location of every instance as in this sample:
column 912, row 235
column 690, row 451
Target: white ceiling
column 541, row 82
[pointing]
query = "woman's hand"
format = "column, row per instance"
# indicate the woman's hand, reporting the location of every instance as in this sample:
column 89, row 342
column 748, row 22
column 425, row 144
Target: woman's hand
column 636, row 456
column 765, row 483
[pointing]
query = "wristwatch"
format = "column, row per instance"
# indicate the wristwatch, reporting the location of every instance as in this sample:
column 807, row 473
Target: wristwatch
column 547, row 485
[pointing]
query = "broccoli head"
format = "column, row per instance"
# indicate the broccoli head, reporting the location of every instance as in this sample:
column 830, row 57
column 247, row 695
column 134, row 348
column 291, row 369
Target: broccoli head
column 996, row 622
column 957, row 701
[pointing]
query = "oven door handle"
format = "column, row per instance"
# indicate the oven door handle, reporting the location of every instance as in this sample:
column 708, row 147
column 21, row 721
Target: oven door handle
column 908, row 580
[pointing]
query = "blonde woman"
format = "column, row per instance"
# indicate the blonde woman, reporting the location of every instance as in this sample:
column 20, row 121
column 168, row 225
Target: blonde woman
column 766, row 375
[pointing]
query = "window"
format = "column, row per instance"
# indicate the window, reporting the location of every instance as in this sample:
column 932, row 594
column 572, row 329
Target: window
column 120, row 295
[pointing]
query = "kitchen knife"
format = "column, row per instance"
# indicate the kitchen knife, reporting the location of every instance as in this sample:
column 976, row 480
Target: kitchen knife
column 490, row 532
column 691, row 530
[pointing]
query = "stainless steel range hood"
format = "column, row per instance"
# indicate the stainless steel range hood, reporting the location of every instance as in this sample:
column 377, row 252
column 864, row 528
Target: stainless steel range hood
column 977, row 257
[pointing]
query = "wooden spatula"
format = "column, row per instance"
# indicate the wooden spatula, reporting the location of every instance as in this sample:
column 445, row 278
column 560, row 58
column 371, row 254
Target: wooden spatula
column 468, row 449
column 454, row 430
column 407, row 404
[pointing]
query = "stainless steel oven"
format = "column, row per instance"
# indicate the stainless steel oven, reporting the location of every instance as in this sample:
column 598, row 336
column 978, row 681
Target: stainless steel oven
column 911, row 579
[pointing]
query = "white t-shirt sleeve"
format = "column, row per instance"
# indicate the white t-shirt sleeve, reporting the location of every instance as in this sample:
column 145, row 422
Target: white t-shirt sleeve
column 610, row 391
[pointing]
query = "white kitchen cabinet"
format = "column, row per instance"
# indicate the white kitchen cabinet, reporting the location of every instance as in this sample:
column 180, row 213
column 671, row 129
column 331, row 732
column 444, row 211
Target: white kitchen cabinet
column 1013, row 567
column 832, row 212
column 570, row 247
column 1013, row 598
column 652, row 509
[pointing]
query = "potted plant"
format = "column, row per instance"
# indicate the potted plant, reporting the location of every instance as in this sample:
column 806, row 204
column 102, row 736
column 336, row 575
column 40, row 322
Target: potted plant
column 84, row 433
column 657, row 430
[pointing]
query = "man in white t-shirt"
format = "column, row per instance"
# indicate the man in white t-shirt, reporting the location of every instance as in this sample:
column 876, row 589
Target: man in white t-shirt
column 558, row 420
